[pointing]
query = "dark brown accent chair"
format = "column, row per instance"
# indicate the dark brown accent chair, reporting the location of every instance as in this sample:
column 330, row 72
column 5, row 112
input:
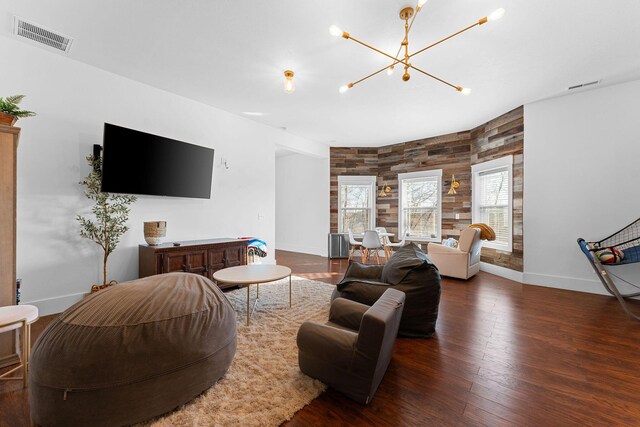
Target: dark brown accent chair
column 132, row 352
column 408, row 270
column 352, row 351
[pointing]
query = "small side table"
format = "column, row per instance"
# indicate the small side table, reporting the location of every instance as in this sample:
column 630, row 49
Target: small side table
column 14, row 317
column 254, row 274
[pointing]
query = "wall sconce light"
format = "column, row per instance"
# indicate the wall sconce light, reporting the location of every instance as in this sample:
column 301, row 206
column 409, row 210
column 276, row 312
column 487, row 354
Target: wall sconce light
column 384, row 190
column 454, row 184
column 289, row 84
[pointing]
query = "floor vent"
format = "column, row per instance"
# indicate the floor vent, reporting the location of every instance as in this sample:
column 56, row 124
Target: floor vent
column 41, row 35
column 595, row 82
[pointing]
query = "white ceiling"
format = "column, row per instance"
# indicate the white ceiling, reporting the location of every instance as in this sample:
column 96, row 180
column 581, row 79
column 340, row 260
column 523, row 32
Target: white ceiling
column 231, row 55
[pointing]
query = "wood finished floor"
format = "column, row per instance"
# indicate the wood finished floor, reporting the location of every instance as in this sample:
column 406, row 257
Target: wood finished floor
column 503, row 354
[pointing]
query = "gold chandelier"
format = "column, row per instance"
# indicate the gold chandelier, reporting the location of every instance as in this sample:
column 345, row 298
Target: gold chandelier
column 408, row 15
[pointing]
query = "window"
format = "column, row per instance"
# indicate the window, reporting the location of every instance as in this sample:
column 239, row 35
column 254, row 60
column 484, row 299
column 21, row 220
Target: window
column 493, row 199
column 420, row 207
column 356, row 203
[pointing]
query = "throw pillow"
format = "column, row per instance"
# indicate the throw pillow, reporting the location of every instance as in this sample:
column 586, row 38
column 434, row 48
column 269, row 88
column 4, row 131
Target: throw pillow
column 450, row 242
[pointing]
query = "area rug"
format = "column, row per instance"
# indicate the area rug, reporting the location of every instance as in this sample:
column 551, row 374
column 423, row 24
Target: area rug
column 264, row 386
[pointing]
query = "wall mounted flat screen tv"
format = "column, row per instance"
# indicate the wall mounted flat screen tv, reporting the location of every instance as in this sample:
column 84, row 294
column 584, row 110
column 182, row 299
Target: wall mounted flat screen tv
column 135, row 162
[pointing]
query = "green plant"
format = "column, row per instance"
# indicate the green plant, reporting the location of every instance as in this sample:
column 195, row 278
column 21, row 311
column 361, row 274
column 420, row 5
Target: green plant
column 111, row 213
column 9, row 105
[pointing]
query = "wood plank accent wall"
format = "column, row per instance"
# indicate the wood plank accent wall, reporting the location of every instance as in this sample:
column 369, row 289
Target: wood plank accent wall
column 451, row 153
column 454, row 154
column 498, row 138
column 348, row 161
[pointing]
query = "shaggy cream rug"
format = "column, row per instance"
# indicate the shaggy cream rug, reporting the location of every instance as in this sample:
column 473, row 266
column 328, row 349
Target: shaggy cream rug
column 264, row 386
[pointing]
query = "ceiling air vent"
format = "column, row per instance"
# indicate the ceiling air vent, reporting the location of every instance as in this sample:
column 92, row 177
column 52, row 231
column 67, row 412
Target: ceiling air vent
column 41, row 35
column 595, row 82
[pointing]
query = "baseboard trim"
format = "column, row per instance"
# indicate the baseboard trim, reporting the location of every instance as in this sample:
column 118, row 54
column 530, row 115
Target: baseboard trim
column 47, row 306
column 546, row 280
column 292, row 247
column 564, row 282
column 507, row 273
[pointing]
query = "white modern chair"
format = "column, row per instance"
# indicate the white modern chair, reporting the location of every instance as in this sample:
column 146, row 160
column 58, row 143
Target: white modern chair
column 391, row 246
column 353, row 244
column 371, row 241
column 384, row 241
column 14, row 317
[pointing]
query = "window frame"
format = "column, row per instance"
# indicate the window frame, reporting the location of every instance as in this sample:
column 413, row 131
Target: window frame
column 488, row 166
column 358, row 180
column 416, row 175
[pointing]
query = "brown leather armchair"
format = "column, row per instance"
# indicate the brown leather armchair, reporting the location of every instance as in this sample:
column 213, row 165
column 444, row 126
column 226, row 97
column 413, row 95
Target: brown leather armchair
column 352, row 351
column 462, row 262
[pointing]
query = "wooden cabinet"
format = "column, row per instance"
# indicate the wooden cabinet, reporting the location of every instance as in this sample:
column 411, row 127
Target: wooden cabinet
column 8, row 172
column 191, row 262
column 203, row 257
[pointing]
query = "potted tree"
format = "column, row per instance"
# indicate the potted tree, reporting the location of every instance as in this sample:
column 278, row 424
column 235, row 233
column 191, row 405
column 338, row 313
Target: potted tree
column 10, row 111
column 111, row 213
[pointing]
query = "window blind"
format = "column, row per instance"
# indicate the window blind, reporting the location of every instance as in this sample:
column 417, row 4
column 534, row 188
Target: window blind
column 355, row 206
column 493, row 202
column 420, row 213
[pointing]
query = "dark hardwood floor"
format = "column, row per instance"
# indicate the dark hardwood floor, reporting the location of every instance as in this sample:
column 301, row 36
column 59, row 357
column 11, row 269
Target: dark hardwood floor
column 504, row 354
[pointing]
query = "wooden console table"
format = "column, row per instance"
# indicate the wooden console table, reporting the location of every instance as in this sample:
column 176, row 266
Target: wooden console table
column 203, row 257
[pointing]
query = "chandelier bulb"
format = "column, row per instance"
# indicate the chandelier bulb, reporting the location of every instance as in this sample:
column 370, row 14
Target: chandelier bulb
column 497, row 14
column 421, row 3
column 345, row 88
column 390, row 70
column 334, row 30
column 289, row 84
column 463, row 90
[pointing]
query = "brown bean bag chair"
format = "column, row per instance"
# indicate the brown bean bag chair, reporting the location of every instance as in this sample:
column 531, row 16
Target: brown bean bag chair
column 132, row 352
column 409, row 270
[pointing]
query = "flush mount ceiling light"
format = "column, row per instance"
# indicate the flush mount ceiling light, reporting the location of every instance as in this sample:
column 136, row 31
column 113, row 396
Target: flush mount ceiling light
column 408, row 15
column 289, row 85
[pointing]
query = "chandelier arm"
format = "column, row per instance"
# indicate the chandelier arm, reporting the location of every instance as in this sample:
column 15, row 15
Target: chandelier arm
column 374, row 49
column 413, row 18
column 436, row 78
column 372, row 74
column 396, row 61
column 445, row 39
column 398, row 53
column 405, row 43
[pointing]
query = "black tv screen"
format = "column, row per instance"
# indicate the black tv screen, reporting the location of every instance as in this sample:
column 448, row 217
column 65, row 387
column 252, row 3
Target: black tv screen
column 135, row 162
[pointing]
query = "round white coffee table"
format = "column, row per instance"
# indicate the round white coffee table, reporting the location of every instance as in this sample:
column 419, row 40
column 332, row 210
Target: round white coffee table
column 247, row 275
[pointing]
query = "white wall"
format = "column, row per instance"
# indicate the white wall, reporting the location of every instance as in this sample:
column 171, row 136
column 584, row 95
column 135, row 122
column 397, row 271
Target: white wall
column 582, row 156
column 296, row 144
column 73, row 100
column 302, row 203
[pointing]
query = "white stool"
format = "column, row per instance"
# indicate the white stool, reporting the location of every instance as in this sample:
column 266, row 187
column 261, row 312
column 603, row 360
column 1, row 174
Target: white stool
column 14, row 317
